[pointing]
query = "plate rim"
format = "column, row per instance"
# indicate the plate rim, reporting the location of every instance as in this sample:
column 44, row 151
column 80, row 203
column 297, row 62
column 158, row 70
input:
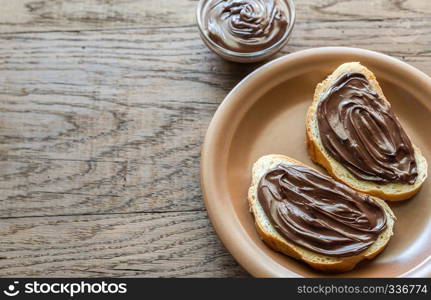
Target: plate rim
column 222, row 227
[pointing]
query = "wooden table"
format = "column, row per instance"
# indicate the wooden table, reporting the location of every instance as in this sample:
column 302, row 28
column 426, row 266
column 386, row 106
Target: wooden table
column 103, row 109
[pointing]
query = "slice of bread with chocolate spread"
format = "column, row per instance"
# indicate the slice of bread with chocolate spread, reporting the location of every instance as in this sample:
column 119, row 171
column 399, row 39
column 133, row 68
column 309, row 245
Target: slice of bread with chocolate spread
column 354, row 134
column 311, row 217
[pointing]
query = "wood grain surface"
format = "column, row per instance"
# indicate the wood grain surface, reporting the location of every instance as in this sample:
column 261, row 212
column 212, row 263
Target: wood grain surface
column 103, row 108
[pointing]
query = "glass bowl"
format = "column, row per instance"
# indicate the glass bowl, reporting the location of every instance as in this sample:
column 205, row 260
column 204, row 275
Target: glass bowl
column 245, row 57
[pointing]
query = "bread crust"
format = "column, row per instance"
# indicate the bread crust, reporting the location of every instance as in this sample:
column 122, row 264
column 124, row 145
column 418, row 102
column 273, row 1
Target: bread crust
column 275, row 241
column 319, row 155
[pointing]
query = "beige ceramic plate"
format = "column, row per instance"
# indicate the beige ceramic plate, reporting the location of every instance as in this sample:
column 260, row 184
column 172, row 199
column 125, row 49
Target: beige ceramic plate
column 265, row 114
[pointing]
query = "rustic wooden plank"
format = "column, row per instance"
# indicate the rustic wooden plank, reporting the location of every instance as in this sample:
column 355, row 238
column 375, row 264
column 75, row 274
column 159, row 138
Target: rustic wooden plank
column 374, row 10
column 142, row 245
column 160, row 172
column 56, row 15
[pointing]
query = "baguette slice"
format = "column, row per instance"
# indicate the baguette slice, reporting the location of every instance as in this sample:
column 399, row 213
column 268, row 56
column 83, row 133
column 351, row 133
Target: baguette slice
column 274, row 240
column 317, row 152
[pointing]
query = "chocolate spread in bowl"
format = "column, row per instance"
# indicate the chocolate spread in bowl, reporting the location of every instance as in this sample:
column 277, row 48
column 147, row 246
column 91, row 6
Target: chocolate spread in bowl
column 245, row 26
column 360, row 131
column 318, row 213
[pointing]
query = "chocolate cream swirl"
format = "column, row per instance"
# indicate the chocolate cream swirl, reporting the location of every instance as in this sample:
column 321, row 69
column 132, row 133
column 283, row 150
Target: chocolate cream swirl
column 359, row 130
column 318, row 213
column 246, row 25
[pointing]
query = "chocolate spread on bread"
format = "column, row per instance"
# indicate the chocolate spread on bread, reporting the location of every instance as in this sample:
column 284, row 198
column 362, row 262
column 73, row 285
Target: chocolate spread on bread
column 245, row 25
column 360, row 131
column 318, row 213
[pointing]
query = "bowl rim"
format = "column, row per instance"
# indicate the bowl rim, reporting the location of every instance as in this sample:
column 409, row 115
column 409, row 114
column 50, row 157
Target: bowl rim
column 230, row 230
column 243, row 55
